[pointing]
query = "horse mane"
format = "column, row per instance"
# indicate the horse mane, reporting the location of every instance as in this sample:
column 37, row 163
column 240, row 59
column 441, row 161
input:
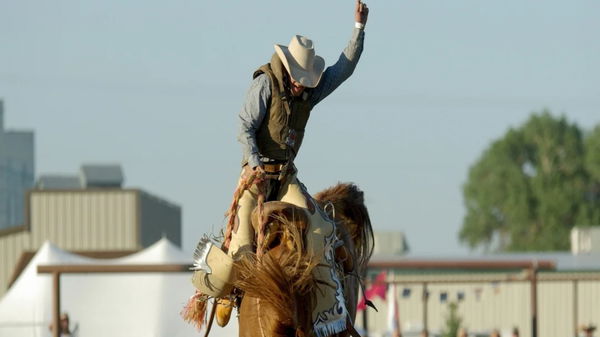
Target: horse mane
column 281, row 274
column 350, row 211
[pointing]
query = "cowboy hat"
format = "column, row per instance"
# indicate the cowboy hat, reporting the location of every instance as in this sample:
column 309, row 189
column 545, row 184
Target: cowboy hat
column 588, row 328
column 301, row 62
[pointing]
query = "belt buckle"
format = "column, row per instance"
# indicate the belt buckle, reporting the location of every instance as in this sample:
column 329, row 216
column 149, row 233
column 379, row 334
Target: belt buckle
column 272, row 168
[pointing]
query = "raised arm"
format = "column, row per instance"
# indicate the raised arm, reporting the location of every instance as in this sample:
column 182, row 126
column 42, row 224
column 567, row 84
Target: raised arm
column 345, row 65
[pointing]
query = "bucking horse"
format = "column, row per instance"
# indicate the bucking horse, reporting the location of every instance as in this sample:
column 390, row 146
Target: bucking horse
column 297, row 286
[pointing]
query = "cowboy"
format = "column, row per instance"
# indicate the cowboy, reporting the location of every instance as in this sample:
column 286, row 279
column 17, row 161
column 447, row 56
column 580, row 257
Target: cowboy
column 277, row 107
column 272, row 121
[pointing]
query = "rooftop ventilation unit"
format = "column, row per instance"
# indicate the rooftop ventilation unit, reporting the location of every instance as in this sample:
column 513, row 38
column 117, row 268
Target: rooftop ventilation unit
column 101, row 176
column 58, row 182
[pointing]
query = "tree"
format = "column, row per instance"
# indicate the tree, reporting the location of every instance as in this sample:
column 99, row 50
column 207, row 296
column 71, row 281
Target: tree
column 453, row 321
column 531, row 187
column 590, row 213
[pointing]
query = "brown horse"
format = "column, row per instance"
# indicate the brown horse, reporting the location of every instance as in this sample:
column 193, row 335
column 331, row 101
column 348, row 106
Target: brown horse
column 280, row 290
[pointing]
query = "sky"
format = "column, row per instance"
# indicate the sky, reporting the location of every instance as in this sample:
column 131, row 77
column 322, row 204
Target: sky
column 157, row 85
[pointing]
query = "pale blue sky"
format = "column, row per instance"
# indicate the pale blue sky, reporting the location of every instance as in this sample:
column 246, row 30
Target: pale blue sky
column 157, row 85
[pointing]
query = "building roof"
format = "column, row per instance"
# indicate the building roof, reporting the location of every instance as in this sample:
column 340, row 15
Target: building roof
column 563, row 261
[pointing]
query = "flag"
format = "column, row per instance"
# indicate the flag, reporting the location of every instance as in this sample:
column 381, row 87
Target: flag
column 393, row 312
column 377, row 289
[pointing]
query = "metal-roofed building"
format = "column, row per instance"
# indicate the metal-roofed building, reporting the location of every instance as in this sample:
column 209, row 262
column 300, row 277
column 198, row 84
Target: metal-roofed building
column 551, row 294
column 110, row 221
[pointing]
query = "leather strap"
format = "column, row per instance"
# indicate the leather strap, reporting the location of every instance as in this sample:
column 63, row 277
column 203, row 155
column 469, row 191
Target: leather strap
column 211, row 319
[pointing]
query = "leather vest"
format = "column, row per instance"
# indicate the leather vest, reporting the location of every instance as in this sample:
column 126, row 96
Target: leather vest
column 283, row 126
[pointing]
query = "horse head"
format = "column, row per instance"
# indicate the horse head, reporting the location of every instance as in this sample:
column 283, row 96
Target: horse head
column 351, row 213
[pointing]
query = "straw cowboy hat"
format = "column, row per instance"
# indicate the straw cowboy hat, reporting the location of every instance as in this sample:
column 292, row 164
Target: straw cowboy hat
column 301, row 62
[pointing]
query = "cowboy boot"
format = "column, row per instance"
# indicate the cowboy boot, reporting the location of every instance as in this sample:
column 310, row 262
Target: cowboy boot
column 224, row 307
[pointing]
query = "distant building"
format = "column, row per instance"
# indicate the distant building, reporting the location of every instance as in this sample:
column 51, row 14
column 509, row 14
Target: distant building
column 16, row 172
column 390, row 243
column 492, row 291
column 585, row 240
column 91, row 215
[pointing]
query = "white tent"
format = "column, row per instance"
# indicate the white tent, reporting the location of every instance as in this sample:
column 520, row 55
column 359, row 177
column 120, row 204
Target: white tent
column 115, row 305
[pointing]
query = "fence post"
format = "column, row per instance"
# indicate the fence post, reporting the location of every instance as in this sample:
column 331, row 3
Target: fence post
column 575, row 307
column 425, row 298
column 534, row 317
column 56, row 304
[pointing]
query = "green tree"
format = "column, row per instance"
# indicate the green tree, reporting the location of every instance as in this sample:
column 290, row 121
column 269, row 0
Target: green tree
column 453, row 321
column 590, row 214
column 530, row 187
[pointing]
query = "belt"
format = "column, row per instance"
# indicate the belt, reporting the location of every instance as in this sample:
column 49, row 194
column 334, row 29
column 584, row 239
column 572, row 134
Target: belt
column 273, row 168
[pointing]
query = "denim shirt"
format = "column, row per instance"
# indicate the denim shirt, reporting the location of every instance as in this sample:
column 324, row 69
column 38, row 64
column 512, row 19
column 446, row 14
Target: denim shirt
column 256, row 103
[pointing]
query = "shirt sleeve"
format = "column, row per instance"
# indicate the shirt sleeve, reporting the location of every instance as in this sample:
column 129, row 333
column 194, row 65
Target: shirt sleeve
column 251, row 117
column 342, row 69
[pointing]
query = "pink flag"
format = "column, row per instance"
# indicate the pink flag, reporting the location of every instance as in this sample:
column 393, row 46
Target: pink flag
column 377, row 289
